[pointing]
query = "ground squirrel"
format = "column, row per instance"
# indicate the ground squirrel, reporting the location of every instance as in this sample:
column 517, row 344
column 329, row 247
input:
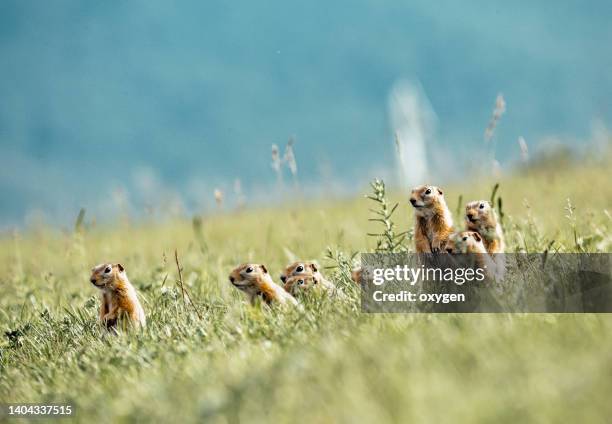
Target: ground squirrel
column 118, row 297
column 470, row 243
column 481, row 217
column 254, row 280
column 434, row 222
column 306, row 269
column 301, row 283
column 465, row 242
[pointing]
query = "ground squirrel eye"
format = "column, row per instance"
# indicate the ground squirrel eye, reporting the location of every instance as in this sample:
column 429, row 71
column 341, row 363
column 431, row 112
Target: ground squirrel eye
column 300, row 282
column 249, row 270
column 300, row 268
column 428, row 191
column 464, row 238
column 482, row 206
column 107, row 269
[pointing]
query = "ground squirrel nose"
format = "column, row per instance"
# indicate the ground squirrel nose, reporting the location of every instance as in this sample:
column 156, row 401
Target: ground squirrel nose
column 413, row 201
column 231, row 279
column 93, row 280
column 283, row 278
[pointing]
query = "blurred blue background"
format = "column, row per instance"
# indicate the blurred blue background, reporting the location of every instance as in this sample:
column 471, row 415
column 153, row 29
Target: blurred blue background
column 156, row 101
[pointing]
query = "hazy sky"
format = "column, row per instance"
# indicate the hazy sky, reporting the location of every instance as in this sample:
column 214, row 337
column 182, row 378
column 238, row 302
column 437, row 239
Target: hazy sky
column 167, row 100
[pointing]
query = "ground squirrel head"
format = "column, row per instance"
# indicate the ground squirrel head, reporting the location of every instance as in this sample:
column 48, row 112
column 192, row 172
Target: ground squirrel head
column 247, row 277
column 478, row 214
column 300, row 268
column 465, row 242
column 106, row 276
column 425, row 198
column 300, row 283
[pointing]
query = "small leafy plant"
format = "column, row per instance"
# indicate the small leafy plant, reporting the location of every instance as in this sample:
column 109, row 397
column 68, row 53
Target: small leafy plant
column 389, row 240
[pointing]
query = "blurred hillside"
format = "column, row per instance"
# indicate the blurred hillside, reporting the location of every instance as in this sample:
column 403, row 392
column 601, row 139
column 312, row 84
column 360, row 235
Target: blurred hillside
column 148, row 102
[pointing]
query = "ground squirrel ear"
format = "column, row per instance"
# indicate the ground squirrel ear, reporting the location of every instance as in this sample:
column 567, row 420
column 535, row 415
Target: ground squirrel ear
column 120, row 267
column 440, row 192
column 477, row 236
column 314, row 267
column 263, row 268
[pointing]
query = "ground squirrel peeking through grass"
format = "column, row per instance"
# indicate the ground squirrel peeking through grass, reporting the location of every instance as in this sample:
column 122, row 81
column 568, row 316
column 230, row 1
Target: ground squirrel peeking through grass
column 301, row 283
column 254, row 280
column 471, row 243
column 305, row 268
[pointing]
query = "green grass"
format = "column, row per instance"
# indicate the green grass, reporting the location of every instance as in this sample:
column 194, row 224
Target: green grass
column 327, row 363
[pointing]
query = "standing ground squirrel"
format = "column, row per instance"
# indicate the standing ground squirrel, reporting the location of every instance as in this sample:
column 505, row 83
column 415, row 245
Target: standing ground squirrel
column 254, row 280
column 481, row 217
column 118, row 297
column 434, row 222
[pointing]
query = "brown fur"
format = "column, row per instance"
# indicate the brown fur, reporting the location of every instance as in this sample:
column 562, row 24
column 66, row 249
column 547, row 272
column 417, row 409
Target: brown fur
column 118, row 296
column 301, row 283
column 481, row 217
column 306, row 268
column 465, row 242
column 470, row 242
column 254, row 280
column 434, row 223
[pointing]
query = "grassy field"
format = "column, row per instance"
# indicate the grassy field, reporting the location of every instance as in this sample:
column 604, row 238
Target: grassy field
column 327, row 363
